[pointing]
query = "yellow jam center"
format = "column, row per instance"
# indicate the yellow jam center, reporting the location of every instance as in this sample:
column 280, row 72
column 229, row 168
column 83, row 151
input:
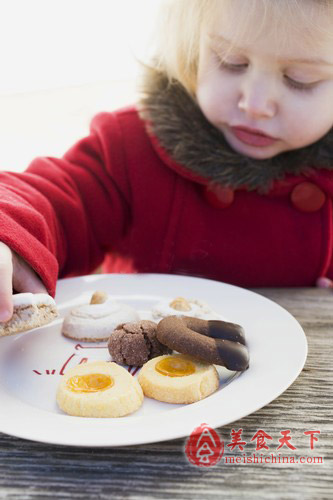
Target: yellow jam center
column 93, row 382
column 175, row 367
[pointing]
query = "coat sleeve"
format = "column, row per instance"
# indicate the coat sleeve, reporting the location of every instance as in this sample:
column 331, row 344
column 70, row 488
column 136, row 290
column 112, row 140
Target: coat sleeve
column 63, row 215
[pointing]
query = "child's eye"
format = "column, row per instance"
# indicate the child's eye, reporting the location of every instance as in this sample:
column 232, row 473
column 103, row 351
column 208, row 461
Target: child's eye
column 299, row 85
column 233, row 67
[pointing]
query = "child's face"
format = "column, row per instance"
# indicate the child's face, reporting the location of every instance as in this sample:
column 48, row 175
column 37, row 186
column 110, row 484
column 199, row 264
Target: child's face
column 266, row 84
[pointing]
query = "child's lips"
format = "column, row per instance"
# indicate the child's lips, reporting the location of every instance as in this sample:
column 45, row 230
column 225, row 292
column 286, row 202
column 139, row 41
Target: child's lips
column 253, row 137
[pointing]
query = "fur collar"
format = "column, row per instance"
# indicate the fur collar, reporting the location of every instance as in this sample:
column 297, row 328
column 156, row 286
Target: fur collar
column 185, row 134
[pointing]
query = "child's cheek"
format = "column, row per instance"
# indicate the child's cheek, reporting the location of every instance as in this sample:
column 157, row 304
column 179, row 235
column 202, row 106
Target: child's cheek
column 211, row 99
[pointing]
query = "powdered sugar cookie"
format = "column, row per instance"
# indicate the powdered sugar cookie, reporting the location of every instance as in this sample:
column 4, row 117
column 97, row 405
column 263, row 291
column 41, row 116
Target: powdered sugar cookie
column 99, row 389
column 178, row 379
column 96, row 321
column 30, row 311
column 184, row 307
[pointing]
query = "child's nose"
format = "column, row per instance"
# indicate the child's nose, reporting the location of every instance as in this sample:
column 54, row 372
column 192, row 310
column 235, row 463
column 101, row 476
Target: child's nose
column 258, row 100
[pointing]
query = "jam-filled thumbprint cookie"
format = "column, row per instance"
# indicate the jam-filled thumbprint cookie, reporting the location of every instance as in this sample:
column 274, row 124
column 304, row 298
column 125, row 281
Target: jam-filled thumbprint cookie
column 99, row 389
column 178, row 378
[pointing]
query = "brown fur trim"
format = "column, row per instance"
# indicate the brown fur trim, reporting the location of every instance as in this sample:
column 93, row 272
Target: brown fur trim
column 193, row 142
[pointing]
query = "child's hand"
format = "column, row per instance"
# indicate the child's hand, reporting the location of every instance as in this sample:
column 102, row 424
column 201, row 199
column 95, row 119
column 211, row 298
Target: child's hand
column 15, row 273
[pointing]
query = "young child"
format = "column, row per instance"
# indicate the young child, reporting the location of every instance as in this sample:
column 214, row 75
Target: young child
column 224, row 170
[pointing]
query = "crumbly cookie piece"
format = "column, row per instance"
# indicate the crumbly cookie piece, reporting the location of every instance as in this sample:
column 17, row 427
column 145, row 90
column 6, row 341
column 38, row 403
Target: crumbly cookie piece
column 30, row 311
column 178, row 379
column 135, row 342
column 99, row 389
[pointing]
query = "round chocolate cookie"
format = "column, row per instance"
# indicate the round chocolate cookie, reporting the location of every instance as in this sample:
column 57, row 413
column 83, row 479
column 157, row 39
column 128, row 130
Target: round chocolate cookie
column 135, row 343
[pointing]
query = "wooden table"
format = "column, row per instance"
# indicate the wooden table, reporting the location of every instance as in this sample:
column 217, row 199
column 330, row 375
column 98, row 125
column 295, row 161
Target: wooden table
column 31, row 470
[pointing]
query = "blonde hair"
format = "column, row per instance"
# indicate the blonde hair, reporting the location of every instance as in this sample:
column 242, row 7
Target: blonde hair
column 178, row 31
column 181, row 24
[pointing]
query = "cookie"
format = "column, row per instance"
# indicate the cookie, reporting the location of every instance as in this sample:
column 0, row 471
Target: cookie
column 184, row 307
column 213, row 341
column 30, row 311
column 96, row 321
column 99, row 389
column 178, row 379
column 135, row 343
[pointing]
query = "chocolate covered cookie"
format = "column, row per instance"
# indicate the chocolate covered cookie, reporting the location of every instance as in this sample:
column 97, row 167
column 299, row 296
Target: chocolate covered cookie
column 218, row 342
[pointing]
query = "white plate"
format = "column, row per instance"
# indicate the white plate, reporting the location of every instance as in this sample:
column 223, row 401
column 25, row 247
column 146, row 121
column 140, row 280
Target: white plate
column 31, row 365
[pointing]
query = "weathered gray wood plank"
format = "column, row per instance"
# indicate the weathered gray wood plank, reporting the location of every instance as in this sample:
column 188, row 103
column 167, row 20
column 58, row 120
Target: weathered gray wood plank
column 38, row 471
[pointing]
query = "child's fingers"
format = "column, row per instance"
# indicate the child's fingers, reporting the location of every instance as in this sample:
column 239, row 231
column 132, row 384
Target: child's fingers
column 15, row 273
column 24, row 277
column 6, row 287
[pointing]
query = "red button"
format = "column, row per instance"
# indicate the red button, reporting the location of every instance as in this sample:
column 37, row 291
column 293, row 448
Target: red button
column 219, row 196
column 308, row 197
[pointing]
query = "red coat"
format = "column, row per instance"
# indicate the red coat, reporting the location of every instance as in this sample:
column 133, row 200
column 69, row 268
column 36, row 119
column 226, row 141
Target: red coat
column 118, row 191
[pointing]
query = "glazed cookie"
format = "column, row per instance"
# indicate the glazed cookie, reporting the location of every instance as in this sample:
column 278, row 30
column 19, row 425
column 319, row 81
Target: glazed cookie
column 178, row 379
column 94, row 322
column 180, row 307
column 134, row 343
column 99, row 389
column 212, row 341
column 30, row 311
